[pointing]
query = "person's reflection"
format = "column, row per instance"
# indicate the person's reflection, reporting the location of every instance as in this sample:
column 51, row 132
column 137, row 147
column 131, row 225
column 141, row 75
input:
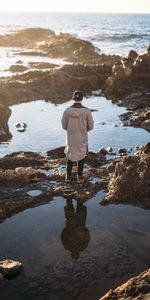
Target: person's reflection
column 75, row 236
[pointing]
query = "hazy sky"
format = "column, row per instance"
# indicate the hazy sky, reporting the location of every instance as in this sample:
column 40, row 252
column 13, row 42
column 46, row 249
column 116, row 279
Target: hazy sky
column 131, row 6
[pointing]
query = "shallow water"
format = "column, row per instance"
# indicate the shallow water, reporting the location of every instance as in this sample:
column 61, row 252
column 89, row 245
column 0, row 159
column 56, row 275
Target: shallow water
column 44, row 130
column 9, row 56
column 94, row 249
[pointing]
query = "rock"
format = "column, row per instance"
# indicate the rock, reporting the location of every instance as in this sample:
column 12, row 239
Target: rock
column 109, row 149
column 26, row 172
column 146, row 148
column 5, row 113
column 130, row 81
column 10, row 268
column 102, row 151
column 57, row 85
column 18, row 68
column 56, row 153
column 21, row 127
column 130, row 180
column 122, row 150
column 132, row 55
column 134, row 289
column 19, row 62
column 148, row 49
column 42, row 65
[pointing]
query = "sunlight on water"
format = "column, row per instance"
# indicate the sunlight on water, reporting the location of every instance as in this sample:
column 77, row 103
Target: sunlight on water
column 44, row 129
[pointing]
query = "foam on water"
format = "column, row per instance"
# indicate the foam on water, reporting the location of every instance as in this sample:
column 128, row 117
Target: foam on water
column 112, row 33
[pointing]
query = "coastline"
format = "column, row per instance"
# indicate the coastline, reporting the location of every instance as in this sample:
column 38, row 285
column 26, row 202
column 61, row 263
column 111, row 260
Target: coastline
column 20, row 171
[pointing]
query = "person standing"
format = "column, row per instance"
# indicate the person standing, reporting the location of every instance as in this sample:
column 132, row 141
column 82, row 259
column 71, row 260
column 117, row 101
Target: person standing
column 77, row 120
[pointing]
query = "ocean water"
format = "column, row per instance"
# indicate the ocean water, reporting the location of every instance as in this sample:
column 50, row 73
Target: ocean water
column 111, row 33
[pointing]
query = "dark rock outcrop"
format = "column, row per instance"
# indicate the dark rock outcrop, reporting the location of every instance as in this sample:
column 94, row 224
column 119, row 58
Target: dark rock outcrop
column 134, row 289
column 45, row 42
column 128, row 85
column 5, row 113
column 56, row 86
column 128, row 76
column 18, row 68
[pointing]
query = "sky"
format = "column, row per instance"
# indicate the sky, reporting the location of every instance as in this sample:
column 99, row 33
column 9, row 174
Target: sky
column 106, row 6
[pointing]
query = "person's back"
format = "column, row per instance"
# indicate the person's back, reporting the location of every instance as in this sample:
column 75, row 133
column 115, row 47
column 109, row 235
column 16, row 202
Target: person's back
column 77, row 121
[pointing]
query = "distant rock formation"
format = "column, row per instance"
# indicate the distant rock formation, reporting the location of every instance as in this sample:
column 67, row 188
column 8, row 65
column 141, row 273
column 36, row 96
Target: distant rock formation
column 44, row 42
column 134, row 289
column 5, row 113
column 56, row 86
column 129, row 76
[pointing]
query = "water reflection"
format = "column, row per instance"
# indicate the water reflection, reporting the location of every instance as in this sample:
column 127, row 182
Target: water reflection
column 75, row 236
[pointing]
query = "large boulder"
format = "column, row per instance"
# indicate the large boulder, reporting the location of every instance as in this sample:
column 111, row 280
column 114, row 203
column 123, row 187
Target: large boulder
column 5, row 113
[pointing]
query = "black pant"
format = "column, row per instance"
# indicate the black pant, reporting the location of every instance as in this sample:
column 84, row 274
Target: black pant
column 80, row 167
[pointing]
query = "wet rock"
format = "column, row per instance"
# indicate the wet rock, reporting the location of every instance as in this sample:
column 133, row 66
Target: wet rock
column 25, row 37
column 138, row 118
column 130, row 82
column 10, row 268
column 134, row 289
column 102, row 151
column 21, row 127
column 56, row 153
column 5, row 113
column 29, row 177
column 109, row 149
column 57, row 85
column 122, row 150
column 42, row 65
column 20, row 174
column 130, row 180
column 132, row 55
column 146, row 148
column 18, row 68
column 19, row 61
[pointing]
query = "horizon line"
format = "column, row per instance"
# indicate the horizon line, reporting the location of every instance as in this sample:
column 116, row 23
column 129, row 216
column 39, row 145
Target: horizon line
column 72, row 12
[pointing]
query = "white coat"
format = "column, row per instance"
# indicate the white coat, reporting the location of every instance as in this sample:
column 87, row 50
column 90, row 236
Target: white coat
column 77, row 122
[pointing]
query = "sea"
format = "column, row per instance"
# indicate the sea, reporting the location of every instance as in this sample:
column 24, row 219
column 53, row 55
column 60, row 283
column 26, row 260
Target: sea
column 110, row 33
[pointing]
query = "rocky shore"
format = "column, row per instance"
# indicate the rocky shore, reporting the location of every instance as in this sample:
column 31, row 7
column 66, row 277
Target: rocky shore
column 29, row 179
column 123, row 80
column 27, row 176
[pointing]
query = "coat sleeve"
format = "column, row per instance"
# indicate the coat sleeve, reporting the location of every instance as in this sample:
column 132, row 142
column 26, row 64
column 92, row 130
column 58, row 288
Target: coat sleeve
column 64, row 120
column 90, row 121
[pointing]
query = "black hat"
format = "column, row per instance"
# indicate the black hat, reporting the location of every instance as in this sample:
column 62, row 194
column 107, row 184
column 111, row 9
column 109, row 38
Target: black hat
column 77, row 96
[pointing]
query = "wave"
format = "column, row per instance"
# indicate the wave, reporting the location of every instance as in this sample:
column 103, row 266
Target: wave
column 119, row 37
